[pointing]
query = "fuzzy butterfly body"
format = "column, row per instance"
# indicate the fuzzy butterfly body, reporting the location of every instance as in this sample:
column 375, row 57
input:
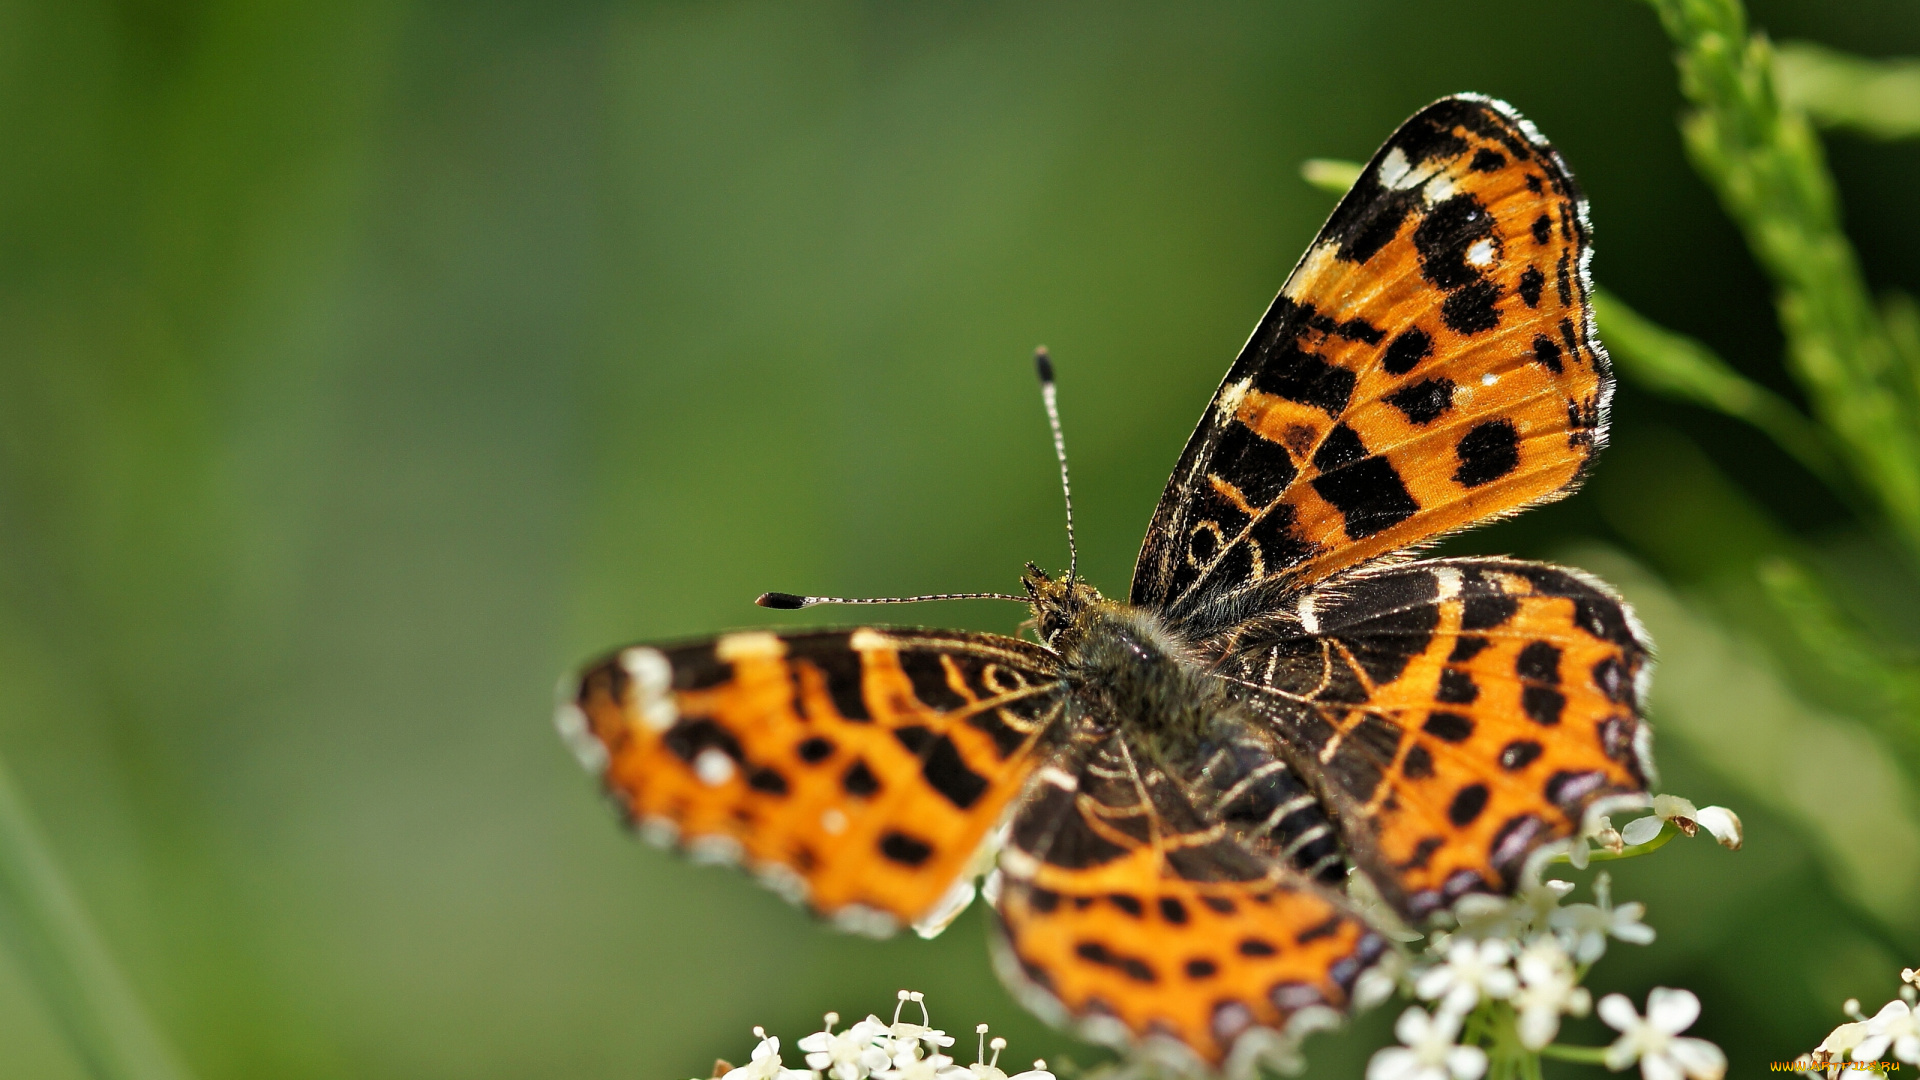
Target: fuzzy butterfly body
column 1169, row 795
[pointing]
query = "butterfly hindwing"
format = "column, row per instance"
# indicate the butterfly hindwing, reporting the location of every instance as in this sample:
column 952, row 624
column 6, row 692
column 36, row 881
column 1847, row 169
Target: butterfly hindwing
column 1430, row 364
column 1460, row 713
column 1141, row 919
column 856, row 770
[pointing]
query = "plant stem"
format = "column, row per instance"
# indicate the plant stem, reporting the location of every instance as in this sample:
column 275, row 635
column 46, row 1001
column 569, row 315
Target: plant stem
column 1767, row 166
column 85, row 992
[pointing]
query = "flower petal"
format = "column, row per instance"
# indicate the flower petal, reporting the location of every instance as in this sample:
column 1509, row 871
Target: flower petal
column 1724, row 824
column 1392, row 1063
column 1642, row 830
column 1467, row 1062
column 1672, row 1011
column 1620, row 1015
column 1698, row 1058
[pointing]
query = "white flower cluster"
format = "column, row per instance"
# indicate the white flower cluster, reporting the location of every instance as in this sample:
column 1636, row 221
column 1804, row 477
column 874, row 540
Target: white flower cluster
column 1510, row 969
column 1895, row 1028
column 874, row 1049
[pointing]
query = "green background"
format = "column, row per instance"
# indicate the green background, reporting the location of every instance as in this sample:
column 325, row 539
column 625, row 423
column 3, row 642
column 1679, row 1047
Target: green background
column 363, row 367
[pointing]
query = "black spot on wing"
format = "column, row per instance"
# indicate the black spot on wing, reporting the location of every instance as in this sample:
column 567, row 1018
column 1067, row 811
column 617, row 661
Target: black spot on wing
column 1487, row 453
column 1468, row 646
column 859, row 780
column 1519, row 754
column 1423, row 402
column 1456, row 687
column 1260, row 469
column 1448, row 726
column 688, row 738
column 947, row 772
column 1467, row 804
column 904, row 849
column 1006, row 738
column 1531, row 282
column 1487, row 160
column 1418, row 764
column 929, row 677
column 1443, row 237
column 815, row 750
column 1542, row 229
column 1542, row 704
column 1342, row 446
column 1470, row 309
column 1406, row 351
column 1369, row 494
column 840, row 666
column 1546, row 353
column 1539, row 661
column 1290, row 372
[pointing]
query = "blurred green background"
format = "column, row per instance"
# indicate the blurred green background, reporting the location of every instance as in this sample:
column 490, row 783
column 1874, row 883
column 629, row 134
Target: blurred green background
column 363, row 367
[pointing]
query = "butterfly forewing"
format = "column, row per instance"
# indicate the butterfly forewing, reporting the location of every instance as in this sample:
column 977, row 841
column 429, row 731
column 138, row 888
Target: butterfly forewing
column 855, row 770
column 1461, row 713
column 1430, row 364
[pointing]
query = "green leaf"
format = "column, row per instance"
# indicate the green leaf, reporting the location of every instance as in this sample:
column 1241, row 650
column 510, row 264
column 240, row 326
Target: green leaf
column 1680, row 367
column 1877, row 98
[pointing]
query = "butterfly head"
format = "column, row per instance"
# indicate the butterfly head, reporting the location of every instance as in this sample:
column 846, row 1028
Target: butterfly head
column 1058, row 604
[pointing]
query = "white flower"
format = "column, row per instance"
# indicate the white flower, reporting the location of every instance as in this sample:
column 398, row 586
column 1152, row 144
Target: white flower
column 766, row 1062
column 1549, row 987
column 853, row 1054
column 1721, row 822
column 1895, row 1025
column 905, row 1035
column 1538, row 900
column 1584, row 928
column 1472, row 970
column 1655, row 1042
column 931, row 1067
column 1377, row 983
column 1430, row 1052
column 983, row 1069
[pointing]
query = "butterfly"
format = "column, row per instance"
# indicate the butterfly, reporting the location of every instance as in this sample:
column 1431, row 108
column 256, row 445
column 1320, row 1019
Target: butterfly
column 1168, row 795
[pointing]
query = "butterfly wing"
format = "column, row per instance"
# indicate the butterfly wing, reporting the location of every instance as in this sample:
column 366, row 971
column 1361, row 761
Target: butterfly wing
column 1460, row 713
column 1136, row 916
column 1431, row 363
column 857, row 771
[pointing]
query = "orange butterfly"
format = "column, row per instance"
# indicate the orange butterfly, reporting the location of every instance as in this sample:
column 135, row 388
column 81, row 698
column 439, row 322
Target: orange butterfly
column 1167, row 794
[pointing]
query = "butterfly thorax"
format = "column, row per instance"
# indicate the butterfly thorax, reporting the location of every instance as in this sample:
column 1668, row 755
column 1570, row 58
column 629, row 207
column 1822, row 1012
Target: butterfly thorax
column 1128, row 669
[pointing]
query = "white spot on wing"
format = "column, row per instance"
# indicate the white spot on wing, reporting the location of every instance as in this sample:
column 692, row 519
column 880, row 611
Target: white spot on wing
column 833, row 821
column 1230, row 397
column 572, row 725
column 715, row 850
column 651, row 686
column 752, row 645
column 1440, row 189
column 784, row 880
column 1489, row 379
column 661, row 832
column 1309, row 618
column 1480, row 252
column 1394, row 170
column 713, row 767
column 1058, row 777
column 866, row 921
column 865, row 640
column 1447, row 580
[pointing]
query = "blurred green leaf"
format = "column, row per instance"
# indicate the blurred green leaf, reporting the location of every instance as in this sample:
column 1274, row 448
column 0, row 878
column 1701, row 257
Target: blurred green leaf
column 1767, row 166
column 1680, row 367
column 42, row 921
column 1878, row 98
column 1331, row 175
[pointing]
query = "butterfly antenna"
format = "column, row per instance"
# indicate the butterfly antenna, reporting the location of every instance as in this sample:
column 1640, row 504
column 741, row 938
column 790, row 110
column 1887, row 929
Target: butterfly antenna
column 786, row 601
column 1050, row 394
